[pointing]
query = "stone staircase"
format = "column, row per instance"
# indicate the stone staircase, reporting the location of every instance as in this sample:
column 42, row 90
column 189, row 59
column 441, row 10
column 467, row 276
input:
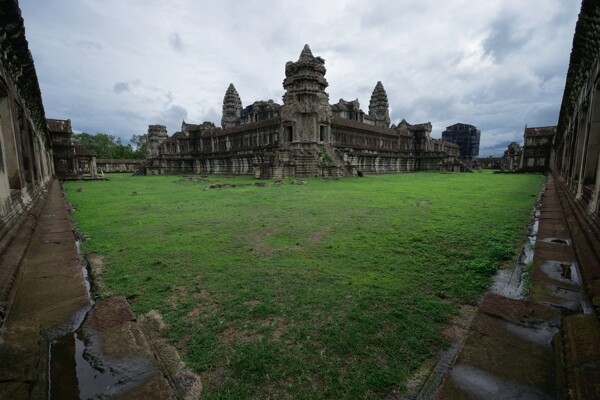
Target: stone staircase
column 307, row 164
column 548, row 346
column 337, row 168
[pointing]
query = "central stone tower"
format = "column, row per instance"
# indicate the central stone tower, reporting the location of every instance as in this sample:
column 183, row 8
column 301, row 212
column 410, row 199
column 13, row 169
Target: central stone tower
column 305, row 113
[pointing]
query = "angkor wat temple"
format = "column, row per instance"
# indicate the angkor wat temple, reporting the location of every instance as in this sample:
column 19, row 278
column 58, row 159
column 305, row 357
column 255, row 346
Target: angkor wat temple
column 306, row 136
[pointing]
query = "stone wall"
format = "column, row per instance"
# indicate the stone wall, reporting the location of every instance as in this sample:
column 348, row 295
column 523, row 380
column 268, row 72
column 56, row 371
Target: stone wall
column 26, row 166
column 107, row 165
column 575, row 158
column 576, row 152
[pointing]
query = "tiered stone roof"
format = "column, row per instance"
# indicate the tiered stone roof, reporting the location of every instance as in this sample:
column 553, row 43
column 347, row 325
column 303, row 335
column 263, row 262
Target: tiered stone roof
column 232, row 108
column 307, row 68
column 379, row 106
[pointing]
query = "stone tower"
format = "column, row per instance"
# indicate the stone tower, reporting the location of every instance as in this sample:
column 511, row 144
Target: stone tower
column 379, row 106
column 232, row 108
column 157, row 134
column 305, row 113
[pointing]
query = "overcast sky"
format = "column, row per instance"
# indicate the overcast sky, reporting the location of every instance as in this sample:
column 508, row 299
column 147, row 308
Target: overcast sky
column 116, row 66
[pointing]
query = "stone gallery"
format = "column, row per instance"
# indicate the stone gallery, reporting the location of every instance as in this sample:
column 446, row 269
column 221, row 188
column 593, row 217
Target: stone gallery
column 306, row 136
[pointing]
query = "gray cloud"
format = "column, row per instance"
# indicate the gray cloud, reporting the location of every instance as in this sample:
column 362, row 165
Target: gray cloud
column 173, row 115
column 175, row 41
column 496, row 65
column 121, row 87
column 126, row 86
column 506, row 36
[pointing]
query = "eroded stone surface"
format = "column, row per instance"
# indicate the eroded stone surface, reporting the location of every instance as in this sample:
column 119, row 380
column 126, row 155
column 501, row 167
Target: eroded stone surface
column 51, row 300
column 508, row 352
column 186, row 384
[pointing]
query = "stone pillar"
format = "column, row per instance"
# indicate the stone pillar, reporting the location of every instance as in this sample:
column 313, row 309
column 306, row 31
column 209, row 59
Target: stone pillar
column 93, row 168
column 593, row 206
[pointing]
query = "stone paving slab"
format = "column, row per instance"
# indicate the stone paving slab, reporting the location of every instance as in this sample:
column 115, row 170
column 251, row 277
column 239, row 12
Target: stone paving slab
column 51, row 300
column 581, row 343
column 508, row 353
column 40, row 305
column 123, row 363
column 542, row 348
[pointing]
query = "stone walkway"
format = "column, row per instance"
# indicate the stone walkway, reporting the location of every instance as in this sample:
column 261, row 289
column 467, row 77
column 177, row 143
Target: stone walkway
column 51, row 301
column 547, row 347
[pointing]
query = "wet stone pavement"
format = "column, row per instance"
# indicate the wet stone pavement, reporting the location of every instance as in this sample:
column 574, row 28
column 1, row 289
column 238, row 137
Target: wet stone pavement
column 49, row 323
column 546, row 347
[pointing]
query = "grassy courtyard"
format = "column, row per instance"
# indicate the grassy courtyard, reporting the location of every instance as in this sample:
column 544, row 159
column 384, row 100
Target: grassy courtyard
column 333, row 289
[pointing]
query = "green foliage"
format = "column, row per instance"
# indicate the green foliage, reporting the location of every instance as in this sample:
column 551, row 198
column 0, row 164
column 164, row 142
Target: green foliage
column 334, row 289
column 107, row 146
column 141, row 145
column 101, row 144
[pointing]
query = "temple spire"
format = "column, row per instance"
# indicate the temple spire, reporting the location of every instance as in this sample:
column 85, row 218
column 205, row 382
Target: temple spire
column 306, row 54
column 232, row 108
column 379, row 106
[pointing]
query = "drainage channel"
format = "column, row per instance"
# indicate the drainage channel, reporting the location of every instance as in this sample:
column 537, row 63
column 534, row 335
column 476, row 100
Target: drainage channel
column 73, row 371
column 512, row 282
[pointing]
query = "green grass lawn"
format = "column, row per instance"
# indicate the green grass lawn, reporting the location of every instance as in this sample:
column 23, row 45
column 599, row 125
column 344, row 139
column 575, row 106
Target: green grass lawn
column 334, row 289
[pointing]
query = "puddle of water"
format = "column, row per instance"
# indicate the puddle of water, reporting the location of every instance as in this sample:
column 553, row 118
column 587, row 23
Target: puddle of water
column 540, row 332
column 481, row 384
column 69, row 373
column 555, row 240
column 73, row 374
column 564, row 272
column 84, row 270
column 77, row 366
column 567, row 285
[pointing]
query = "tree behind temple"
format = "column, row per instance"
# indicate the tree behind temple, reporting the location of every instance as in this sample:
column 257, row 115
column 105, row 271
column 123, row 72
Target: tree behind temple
column 107, row 146
column 141, row 145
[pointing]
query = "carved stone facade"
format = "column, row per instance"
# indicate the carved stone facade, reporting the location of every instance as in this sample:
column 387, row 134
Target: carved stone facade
column 71, row 160
column 232, row 108
column 26, row 166
column 576, row 145
column 537, row 147
column 512, row 157
column 379, row 107
column 306, row 136
column 107, row 165
column 157, row 134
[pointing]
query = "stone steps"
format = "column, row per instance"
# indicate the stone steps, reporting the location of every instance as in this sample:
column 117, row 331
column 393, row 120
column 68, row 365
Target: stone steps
column 306, row 165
